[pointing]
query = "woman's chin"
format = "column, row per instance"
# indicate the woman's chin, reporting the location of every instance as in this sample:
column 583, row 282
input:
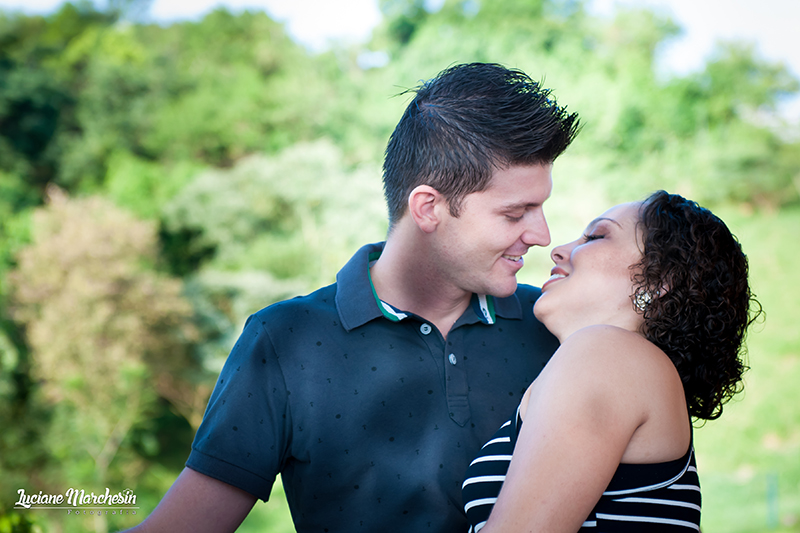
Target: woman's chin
column 541, row 314
column 540, row 309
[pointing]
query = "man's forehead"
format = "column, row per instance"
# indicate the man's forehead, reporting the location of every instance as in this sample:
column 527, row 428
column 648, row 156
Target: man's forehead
column 536, row 171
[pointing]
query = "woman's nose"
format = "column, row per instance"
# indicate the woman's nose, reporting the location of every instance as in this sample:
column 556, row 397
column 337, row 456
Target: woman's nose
column 560, row 252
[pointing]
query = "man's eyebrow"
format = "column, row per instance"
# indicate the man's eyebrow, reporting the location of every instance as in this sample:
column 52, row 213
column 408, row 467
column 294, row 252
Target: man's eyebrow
column 600, row 219
column 519, row 205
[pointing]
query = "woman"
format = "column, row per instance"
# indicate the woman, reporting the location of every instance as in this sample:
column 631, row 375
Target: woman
column 650, row 305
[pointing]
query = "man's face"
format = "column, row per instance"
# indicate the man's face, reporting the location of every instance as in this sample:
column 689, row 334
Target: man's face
column 481, row 250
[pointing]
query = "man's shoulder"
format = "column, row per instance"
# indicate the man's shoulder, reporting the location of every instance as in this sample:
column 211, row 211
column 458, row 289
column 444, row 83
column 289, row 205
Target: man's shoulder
column 303, row 307
column 352, row 286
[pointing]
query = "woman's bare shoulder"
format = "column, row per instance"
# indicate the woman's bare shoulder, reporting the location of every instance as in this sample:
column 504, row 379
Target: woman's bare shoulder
column 611, row 345
column 606, row 333
column 607, row 360
column 596, row 382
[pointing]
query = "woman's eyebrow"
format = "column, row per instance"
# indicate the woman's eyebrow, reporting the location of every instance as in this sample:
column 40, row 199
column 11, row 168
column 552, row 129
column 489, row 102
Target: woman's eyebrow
column 599, row 219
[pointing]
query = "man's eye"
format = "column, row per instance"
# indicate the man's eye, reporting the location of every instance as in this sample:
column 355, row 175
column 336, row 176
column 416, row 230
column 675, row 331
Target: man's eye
column 513, row 218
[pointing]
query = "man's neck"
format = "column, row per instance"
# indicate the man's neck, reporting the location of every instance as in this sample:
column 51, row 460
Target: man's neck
column 403, row 278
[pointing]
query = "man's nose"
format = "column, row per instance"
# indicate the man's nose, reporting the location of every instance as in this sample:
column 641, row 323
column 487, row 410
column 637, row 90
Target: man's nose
column 536, row 232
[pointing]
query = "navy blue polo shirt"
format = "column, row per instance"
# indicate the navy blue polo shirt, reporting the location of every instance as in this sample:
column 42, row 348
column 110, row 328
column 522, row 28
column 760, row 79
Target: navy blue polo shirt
column 368, row 414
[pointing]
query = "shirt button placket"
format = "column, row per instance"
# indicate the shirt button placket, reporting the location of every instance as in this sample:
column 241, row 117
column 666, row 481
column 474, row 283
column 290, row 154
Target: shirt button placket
column 456, row 378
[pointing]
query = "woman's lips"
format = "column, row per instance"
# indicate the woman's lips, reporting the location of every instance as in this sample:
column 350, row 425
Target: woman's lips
column 555, row 275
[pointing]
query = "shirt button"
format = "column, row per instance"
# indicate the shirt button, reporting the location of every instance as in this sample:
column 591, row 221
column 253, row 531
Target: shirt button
column 425, row 329
column 453, row 359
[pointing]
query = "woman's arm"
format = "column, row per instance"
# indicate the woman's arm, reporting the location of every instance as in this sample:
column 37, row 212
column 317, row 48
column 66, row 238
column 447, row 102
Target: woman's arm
column 579, row 417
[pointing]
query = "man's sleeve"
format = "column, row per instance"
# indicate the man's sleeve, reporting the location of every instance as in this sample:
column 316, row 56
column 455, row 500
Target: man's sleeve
column 243, row 438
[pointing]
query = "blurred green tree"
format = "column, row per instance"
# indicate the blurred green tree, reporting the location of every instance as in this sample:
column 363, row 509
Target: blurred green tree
column 713, row 135
column 298, row 214
column 108, row 335
column 266, row 229
column 78, row 88
column 37, row 95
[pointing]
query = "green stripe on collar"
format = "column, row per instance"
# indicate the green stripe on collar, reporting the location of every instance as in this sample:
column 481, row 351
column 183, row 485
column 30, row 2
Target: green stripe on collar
column 483, row 305
column 395, row 315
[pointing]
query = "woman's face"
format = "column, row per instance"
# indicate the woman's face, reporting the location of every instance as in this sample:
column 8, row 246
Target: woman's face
column 592, row 281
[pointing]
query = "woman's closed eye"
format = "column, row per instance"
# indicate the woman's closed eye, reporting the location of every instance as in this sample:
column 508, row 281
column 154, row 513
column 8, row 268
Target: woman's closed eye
column 592, row 237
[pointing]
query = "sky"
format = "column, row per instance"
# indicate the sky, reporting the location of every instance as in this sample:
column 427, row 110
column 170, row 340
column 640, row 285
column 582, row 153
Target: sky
column 771, row 25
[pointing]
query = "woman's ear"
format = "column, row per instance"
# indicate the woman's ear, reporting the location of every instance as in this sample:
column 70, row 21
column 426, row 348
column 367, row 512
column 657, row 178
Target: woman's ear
column 423, row 204
column 665, row 286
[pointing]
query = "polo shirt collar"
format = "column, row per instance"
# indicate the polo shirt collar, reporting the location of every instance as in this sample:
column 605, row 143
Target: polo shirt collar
column 357, row 302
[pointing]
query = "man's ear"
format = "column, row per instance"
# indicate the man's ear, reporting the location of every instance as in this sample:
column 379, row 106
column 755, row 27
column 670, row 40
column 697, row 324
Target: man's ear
column 424, row 204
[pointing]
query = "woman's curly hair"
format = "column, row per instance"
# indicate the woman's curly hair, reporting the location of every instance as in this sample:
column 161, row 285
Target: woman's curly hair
column 696, row 275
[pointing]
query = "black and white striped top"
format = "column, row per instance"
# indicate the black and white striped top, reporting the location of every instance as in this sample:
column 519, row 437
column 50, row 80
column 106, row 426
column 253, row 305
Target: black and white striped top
column 662, row 497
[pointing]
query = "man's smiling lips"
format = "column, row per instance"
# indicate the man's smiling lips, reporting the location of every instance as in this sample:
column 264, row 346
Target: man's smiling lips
column 555, row 275
column 516, row 262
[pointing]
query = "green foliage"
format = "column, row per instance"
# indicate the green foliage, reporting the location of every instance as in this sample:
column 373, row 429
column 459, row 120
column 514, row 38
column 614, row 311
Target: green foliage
column 272, row 516
column 76, row 89
column 298, row 214
column 735, row 78
column 107, row 336
column 21, row 451
column 267, row 229
column 403, row 18
column 144, row 186
column 706, row 135
column 15, row 522
column 757, row 435
column 35, row 94
column 237, row 97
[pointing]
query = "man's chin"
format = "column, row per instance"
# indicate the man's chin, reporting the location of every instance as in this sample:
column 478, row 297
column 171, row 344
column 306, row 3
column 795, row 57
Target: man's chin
column 505, row 290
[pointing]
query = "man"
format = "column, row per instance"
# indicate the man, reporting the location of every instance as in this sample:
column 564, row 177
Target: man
column 371, row 396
